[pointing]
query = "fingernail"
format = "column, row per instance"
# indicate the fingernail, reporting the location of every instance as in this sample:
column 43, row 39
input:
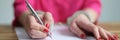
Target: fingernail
column 115, row 36
column 46, row 30
column 109, row 38
column 82, row 35
column 48, row 25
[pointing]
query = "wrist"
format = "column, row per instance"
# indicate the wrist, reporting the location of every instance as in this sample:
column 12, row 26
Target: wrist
column 92, row 14
column 82, row 15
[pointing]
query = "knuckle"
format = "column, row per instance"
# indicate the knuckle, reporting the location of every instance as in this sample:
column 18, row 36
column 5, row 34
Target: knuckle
column 73, row 25
column 48, row 14
column 95, row 29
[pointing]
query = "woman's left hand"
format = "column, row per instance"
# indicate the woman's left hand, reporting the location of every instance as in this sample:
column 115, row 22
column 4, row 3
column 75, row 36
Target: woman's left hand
column 80, row 24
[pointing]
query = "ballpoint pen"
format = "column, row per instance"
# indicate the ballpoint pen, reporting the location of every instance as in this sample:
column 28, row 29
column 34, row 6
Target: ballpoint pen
column 36, row 16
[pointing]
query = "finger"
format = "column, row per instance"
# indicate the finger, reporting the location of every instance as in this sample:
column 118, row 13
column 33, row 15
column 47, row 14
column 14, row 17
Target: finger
column 92, row 28
column 116, row 36
column 48, row 19
column 96, row 33
column 103, row 33
column 40, row 14
column 35, row 25
column 75, row 29
column 110, row 35
column 37, row 34
column 31, row 19
column 39, row 27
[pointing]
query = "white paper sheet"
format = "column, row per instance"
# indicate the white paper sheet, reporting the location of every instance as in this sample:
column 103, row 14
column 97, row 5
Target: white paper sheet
column 59, row 32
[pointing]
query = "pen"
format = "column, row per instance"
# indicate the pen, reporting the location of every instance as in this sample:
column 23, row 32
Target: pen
column 36, row 16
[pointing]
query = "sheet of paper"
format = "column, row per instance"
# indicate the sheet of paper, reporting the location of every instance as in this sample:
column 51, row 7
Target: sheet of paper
column 59, row 32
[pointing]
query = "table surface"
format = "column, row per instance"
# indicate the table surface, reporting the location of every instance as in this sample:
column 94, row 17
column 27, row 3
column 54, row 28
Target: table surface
column 7, row 33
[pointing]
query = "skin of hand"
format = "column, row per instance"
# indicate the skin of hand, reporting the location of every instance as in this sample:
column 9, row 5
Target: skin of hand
column 81, row 23
column 31, row 25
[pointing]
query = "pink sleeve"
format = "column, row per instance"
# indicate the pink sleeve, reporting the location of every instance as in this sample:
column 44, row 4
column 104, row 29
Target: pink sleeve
column 94, row 4
column 19, row 8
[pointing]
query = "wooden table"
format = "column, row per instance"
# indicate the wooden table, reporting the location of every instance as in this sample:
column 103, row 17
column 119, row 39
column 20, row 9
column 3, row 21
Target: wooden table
column 7, row 33
column 113, row 27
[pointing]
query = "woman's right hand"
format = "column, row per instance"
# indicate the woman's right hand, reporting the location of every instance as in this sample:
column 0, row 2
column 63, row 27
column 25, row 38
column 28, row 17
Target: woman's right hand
column 32, row 27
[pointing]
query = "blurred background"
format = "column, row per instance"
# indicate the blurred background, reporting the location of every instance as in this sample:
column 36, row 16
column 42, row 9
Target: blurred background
column 110, row 11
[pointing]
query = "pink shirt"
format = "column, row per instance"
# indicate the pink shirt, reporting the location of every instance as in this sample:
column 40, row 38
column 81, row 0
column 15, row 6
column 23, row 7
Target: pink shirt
column 60, row 9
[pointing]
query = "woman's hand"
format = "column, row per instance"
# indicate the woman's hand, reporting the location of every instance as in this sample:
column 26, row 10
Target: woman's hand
column 80, row 25
column 32, row 27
